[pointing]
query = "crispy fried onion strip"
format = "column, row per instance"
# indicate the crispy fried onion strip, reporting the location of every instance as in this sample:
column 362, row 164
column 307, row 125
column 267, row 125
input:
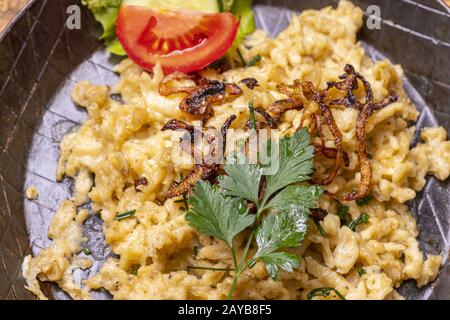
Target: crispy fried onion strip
column 204, row 171
column 201, row 172
column 348, row 84
column 269, row 121
column 280, row 107
column 330, row 153
column 167, row 87
column 325, row 111
column 202, row 96
column 200, row 101
column 301, row 94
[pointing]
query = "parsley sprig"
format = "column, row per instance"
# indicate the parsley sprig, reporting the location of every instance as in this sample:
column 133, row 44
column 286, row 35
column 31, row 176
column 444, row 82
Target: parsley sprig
column 282, row 207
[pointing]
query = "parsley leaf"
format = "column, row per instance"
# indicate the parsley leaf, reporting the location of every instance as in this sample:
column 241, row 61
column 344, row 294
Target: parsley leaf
column 215, row 215
column 243, row 180
column 295, row 163
column 301, row 196
column 278, row 231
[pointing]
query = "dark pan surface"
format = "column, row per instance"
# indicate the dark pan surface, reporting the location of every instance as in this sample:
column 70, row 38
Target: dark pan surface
column 40, row 61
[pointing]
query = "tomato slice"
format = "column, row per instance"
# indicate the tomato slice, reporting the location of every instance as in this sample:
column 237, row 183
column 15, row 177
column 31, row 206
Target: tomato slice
column 180, row 40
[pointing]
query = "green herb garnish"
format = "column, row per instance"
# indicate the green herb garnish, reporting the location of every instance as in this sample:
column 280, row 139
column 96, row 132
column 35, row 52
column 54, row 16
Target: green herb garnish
column 362, row 219
column 320, row 228
column 105, row 12
column 251, row 108
column 134, row 270
column 343, row 213
column 209, row 269
column 324, row 292
column 222, row 212
column 87, row 251
column 364, row 201
column 125, row 215
column 253, row 61
column 361, row 271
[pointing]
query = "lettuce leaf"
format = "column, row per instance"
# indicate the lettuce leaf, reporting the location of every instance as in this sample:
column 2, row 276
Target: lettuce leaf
column 105, row 12
column 243, row 10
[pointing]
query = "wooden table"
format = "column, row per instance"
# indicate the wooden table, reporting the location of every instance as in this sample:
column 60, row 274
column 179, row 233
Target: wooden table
column 8, row 9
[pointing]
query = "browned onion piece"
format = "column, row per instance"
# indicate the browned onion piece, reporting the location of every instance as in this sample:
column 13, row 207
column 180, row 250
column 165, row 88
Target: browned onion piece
column 270, row 121
column 386, row 101
column 201, row 172
column 278, row 108
column 329, row 119
column 165, row 89
column 251, row 83
column 177, row 125
column 331, row 153
column 364, row 163
column 200, row 101
column 204, row 171
column 225, row 128
column 318, row 214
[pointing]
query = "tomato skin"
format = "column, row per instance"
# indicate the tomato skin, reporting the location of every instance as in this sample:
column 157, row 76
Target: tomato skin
column 181, row 40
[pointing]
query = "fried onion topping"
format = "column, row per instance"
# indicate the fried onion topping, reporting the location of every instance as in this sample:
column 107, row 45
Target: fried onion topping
column 201, row 172
column 200, row 101
column 348, row 84
column 206, row 170
column 251, row 83
column 280, row 107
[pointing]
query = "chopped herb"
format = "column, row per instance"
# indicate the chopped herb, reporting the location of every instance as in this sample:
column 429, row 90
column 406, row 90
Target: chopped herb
column 125, row 215
column 87, row 251
column 320, row 228
column 364, row 201
column 251, row 107
column 209, row 268
column 253, row 61
column 362, row 219
column 361, row 271
column 244, row 63
column 324, row 292
column 343, row 213
column 134, row 270
column 370, row 156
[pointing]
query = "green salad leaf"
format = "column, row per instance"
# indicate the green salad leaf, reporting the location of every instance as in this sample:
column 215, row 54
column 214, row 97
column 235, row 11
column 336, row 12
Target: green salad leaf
column 244, row 10
column 105, row 12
